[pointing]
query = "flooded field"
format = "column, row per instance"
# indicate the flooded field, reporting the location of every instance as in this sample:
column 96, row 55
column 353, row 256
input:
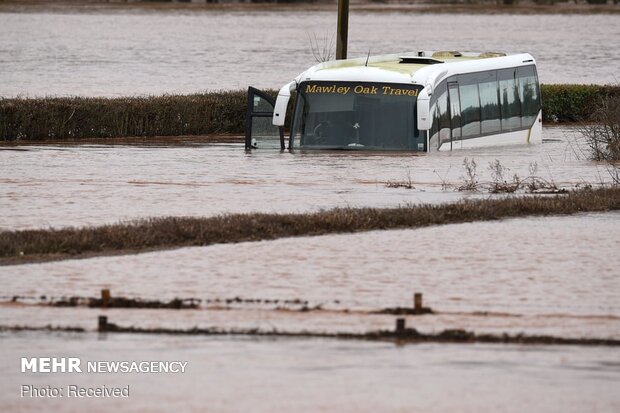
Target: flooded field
column 538, row 276
column 554, row 276
column 150, row 52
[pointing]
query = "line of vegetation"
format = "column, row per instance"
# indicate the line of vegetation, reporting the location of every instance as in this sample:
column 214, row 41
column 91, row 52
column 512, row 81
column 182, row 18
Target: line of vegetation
column 404, row 336
column 71, row 118
column 48, row 328
column 92, row 117
column 265, row 304
column 196, row 304
column 412, row 6
column 123, row 302
column 172, row 232
column 407, row 335
column 126, row 302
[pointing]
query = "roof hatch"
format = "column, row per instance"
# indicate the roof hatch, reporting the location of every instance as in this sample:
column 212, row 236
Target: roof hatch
column 419, row 60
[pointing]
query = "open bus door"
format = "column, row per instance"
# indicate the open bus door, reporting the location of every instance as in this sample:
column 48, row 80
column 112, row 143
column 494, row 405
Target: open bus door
column 259, row 131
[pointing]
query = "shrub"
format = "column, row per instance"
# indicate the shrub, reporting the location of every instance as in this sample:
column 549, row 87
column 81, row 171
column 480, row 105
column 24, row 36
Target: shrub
column 603, row 136
column 573, row 103
column 85, row 117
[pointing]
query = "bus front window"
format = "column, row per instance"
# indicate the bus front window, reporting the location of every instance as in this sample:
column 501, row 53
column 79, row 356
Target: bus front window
column 339, row 115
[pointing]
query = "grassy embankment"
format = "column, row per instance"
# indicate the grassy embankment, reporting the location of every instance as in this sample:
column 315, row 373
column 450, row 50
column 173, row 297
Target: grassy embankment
column 213, row 113
column 172, row 232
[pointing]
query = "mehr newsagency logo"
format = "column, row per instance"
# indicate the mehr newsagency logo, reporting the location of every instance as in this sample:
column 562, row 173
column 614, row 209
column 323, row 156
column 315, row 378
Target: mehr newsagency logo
column 75, row 365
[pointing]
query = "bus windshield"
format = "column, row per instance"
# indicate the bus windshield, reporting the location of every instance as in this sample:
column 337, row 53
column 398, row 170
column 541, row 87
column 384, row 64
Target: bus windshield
column 356, row 115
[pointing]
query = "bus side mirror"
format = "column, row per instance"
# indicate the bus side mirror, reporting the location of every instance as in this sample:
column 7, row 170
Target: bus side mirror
column 424, row 111
column 279, row 111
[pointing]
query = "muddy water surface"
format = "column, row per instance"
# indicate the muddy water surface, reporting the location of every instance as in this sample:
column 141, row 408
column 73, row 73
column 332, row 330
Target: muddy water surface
column 236, row 375
column 143, row 52
column 55, row 186
column 547, row 275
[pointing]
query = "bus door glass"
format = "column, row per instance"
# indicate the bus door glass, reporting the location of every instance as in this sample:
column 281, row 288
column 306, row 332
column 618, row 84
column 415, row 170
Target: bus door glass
column 259, row 131
column 455, row 114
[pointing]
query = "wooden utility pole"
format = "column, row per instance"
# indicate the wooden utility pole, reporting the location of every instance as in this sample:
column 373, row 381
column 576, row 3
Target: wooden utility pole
column 343, row 29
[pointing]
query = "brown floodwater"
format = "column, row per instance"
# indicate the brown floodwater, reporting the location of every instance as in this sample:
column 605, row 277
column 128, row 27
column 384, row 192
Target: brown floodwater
column 544, row 275
column 284, row 375
column 122, row 52
column 550, row 275
column 56, row 185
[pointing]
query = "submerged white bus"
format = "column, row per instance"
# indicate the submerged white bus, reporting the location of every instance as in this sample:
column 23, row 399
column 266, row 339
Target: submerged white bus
column 421, row 101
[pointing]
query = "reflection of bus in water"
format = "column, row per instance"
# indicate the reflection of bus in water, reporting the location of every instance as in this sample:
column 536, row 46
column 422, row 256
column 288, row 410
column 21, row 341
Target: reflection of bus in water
column 420, row 101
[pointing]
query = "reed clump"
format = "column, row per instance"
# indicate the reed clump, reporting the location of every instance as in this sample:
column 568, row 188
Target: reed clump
column 172, row 232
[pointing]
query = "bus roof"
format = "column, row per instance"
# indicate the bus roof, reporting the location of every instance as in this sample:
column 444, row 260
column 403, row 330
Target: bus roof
column 424, row 67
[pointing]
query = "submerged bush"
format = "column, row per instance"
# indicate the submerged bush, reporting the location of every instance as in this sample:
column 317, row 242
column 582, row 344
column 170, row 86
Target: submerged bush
column 603, row 135
column 82, row 117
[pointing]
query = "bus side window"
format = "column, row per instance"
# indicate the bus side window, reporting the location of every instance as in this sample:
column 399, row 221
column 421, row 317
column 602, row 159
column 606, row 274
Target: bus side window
column 470, row 104
column 509, row 99
column 435, row 126
column 455, row 110
column 530, row 95
column 489, row 103
column 443, row 120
